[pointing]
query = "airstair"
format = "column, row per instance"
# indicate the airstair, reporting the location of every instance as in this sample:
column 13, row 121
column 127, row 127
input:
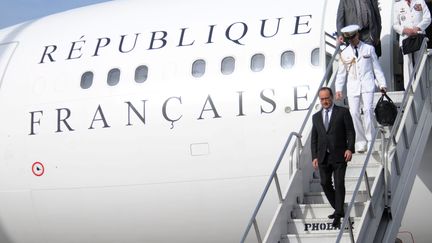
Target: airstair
column 378, row 182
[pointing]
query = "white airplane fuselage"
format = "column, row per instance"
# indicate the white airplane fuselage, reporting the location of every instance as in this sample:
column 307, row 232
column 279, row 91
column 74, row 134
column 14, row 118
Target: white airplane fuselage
column 175, row 158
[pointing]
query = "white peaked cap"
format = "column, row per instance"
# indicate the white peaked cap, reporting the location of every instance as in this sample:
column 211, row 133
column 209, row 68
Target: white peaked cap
column 350, row 30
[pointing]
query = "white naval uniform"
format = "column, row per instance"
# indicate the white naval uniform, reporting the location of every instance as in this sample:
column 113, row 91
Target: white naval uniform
column 409, row 16
column 362, row 72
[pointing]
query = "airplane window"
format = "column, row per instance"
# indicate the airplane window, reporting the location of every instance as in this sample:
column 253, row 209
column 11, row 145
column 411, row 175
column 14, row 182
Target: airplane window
column 113, row 77
column 257, row 62
column 228, row 65
column 141, row 74
column 315, row 57
column 86, row 80
column 287, row 59
column 198, row 68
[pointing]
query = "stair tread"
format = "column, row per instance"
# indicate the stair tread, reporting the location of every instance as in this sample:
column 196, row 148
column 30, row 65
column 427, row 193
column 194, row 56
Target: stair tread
column 322, row 205
column 347, row 178
column 322, row 193
column 306, row 235
column 320, row 220
column 351, row 164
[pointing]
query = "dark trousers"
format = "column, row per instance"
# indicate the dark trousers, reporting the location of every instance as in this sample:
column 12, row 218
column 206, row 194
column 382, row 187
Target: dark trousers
column 335, row 194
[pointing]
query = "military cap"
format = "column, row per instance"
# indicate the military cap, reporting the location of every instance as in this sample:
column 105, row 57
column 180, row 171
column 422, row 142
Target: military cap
column 350, row 30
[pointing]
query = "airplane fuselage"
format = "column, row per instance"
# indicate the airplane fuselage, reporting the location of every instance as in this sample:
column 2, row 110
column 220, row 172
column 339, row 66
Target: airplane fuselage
column 150, row 122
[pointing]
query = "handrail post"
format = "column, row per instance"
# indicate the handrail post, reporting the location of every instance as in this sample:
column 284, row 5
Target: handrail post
column 299, row 147
column 351, row 230
column 277, row 184
column 257, row 232
column 291, row 164
column 386, row 176
column 369, row 193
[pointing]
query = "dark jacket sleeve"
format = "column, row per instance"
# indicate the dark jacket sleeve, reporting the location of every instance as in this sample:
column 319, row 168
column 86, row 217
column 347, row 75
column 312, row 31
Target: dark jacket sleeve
column 340, row 17
column 314, row 140
column 375, row 22
column 349, row 130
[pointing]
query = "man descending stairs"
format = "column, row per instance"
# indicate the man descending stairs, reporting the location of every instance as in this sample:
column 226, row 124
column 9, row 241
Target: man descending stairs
column 381, row 179
column 332, row 145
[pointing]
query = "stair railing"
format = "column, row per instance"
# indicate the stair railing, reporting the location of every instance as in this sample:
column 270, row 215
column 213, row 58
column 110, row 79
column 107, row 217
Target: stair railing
column 363, row 175
column 297, row 148
column 398, row 126
column 385, row 148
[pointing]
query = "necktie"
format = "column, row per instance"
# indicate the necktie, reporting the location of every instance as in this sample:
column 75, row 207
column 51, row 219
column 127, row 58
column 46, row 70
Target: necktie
column 326, row 119
column 356, row 51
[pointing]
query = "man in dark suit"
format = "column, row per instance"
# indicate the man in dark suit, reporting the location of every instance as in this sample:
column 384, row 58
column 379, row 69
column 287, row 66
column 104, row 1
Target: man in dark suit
column 332, row 144
column 364, row 13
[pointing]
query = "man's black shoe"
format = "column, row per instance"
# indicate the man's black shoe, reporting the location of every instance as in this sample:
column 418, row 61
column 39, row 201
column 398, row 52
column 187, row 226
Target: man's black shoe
column 333, row 215
column 336, row 222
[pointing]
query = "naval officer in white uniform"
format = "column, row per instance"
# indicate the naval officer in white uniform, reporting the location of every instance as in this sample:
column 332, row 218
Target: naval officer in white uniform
column 410, row 17
column 359, row 67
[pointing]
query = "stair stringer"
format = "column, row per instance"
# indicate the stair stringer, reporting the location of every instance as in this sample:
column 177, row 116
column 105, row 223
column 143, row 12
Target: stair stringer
column 402, row 185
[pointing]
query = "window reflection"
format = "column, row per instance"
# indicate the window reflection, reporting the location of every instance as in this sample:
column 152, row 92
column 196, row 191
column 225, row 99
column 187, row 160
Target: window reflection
column 141, row 74
column 257, row 62
column 113, row 77
column 228, row 65
column 287, row 60
column 86, row 80
column 198, row 68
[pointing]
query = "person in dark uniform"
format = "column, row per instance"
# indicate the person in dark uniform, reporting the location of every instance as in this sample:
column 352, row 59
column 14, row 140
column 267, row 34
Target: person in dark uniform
column 332, row 145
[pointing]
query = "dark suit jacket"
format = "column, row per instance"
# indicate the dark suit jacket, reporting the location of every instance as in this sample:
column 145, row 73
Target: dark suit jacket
column 339, row 137
column 347, row 15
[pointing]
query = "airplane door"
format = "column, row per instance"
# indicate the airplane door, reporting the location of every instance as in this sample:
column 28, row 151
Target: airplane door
column 6, row 52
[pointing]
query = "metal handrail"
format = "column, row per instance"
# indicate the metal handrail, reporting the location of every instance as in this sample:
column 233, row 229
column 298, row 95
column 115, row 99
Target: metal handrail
column 298, row 135
column 408, row 92
column 264, row 194
column 396, row 126
column 363, row 174
column 384, row 150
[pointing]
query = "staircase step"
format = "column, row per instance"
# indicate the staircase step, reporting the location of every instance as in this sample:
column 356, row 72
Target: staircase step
column 375, row 156
column 315, row 226
column 350, row 184
column 320, row 198
column 353, row 170
column 314, row 238
column 310, row 211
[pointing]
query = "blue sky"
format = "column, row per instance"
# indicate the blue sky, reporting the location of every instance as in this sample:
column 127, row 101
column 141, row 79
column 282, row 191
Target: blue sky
column 16, row 11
